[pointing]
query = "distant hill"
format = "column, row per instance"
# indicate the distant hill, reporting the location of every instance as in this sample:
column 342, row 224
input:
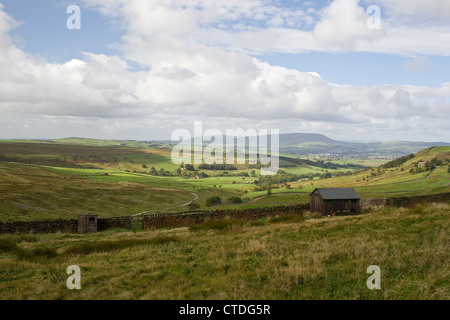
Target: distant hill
column 290, row 139
column 313, row 144
column 306, row 143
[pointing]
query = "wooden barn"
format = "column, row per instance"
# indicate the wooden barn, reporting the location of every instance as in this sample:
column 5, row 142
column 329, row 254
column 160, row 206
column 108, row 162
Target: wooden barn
column 334, row 201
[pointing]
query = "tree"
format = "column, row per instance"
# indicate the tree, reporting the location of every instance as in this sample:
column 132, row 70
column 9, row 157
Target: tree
column 253, row 173
column 202, row 175
column 212, row 201
column 235, row 200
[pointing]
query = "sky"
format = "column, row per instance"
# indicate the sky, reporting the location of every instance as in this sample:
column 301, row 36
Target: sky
column 352, row 70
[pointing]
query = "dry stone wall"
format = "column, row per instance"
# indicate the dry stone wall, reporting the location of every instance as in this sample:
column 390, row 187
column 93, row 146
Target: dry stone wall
column 164, row 220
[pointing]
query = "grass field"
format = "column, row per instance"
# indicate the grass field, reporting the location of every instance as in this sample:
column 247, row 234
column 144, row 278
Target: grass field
column 69, row 177
column 113, row 154
column 31, row 193
column 320, row 258
column 287, row 257
column 396, row 181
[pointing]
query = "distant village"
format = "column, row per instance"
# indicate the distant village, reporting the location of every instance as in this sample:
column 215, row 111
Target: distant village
column 362, row 155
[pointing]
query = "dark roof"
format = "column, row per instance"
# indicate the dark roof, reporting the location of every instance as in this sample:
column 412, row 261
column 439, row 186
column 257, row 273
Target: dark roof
column 336, row 193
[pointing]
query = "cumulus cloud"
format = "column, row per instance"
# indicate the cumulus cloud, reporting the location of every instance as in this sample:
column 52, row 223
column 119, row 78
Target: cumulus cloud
column 343, row 23
column 199, row 68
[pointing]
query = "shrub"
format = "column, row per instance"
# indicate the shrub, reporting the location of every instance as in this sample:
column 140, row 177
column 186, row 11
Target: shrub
column 213, row 201
column 235, row 200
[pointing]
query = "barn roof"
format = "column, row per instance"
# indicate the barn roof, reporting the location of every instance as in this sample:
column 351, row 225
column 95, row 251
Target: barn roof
column 336, row 193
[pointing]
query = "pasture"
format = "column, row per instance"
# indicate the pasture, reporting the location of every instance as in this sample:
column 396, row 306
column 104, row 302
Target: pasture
column 47, row 180
column 316, row 258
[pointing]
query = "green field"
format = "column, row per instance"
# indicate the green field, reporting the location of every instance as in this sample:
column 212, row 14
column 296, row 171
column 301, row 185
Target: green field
column 31, row 193
column 396, row 181
column 320, row 258
column 61, row 179
column 288, row 257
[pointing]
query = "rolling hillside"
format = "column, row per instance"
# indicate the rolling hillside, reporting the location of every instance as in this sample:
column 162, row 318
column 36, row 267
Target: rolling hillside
column 399, row 177
column 33, row 193
column 54, row 180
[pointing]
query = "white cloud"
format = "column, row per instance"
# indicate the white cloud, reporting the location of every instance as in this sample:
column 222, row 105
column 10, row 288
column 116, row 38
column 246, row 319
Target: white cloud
column 435, row 11
column 195, row 74
column 258, row 26
column 343, row 23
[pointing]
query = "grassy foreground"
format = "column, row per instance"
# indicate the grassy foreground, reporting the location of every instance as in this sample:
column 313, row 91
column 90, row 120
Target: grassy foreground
column 285, row 258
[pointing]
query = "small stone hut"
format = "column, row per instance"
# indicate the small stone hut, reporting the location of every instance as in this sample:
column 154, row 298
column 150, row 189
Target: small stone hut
column 87, row 223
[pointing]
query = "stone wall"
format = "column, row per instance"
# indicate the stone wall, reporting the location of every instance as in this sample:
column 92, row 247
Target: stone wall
column 44, row 226
column 404, row 201
column 116, row 222
column 412, row 200
column 161, row 220
column 372, row 202
column 183, row 219
column 188, row 218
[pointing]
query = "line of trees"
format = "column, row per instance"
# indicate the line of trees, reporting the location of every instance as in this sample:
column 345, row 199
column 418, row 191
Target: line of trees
column 223, row 167
column 397, row 162
column 429, row 165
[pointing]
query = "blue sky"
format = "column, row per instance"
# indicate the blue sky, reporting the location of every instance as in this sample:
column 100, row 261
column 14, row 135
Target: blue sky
column 141, row 70
column 364, row 69
column 43, row 34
